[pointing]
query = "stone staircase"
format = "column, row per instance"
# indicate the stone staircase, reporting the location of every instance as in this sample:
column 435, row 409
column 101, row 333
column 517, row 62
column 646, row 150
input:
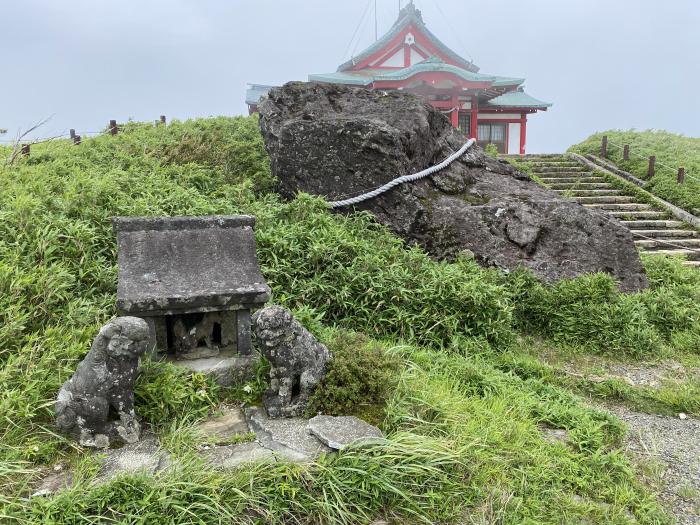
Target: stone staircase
column 655, row 230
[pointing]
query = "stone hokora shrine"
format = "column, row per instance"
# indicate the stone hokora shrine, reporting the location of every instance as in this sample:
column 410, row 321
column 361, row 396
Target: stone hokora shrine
column 194, row 280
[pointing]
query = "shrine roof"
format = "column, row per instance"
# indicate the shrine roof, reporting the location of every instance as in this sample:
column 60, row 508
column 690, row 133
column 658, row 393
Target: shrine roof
column 368, row 76
column 517, row 99
column 255, row 92
column 407, row 16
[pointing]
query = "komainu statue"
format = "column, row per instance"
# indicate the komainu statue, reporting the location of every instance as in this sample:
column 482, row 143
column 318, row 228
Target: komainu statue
column 96, row 405
column 298, row 361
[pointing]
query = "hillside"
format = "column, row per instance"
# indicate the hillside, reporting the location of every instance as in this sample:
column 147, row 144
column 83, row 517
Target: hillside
column 672, row 151
column 472, row 370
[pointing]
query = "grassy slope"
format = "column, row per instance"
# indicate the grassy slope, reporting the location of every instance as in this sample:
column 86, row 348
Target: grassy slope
column 671, row 152
column 464, row 418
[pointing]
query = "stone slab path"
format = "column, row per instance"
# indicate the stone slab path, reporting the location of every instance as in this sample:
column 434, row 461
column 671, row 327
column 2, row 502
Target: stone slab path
column 290, row 439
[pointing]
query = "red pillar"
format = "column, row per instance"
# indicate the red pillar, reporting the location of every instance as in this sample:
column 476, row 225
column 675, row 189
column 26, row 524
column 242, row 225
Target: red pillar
column 523, row 132
column 455, row 112
column 474, row 118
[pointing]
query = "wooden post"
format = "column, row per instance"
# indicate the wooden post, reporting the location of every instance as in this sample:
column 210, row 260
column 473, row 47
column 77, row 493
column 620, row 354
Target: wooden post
column 681, row 175
column 72, row 133
column 113, row 127
column 652, row 165
column 162, row 119
column 77, row 139
column 25, row 150
column 626, row 152
column 604, row 147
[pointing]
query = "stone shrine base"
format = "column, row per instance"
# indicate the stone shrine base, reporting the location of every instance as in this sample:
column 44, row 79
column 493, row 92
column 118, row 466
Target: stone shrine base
column 228, row 368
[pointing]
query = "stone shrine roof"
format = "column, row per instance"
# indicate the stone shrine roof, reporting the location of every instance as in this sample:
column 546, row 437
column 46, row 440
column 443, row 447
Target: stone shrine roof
column 187, row 264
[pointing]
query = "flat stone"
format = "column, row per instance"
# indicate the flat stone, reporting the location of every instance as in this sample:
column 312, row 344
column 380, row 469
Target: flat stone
column 554, row 435
column 233, row 456
column 340, row 432
column 289, row 437
column 227, row 369
column 53, row 483
column 143, row 457
column 225, row 427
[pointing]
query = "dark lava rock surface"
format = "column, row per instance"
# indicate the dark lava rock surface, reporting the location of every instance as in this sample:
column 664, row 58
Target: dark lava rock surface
column 337, row 141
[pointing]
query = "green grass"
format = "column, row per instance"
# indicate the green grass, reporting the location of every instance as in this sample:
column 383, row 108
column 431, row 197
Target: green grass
column 671, row 151
column 598, row 376
column 465, row 444
column 464, row 427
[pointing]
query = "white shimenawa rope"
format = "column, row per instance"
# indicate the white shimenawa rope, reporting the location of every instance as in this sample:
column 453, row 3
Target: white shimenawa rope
column 406, row 178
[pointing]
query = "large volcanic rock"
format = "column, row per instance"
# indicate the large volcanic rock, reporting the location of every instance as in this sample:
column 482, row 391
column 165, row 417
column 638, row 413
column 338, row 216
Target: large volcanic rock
column 337, row 141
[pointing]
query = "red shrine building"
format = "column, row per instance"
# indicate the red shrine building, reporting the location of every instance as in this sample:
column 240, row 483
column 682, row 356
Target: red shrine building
column 491, row 109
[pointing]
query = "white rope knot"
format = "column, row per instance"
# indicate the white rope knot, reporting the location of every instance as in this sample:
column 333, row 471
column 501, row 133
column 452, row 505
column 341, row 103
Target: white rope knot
column 405, row 178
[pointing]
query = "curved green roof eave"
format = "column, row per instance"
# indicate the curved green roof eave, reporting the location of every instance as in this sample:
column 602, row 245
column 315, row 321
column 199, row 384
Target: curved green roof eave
column 366, row 77
column 517, row 99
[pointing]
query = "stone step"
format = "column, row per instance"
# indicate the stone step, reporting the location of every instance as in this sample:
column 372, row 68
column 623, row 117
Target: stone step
column 571, row 180
column 653, row 224
column 665, row 234
column 580, row 186
column 561, row 174
column 634, row 215
column 560, row 169
column 557, row 168
column 620, row 207
column 692, row 255
column 649, row 244
column 530, row 156
column 589, row 193
column 692, row 263
column 544, row 166
column 615, row 199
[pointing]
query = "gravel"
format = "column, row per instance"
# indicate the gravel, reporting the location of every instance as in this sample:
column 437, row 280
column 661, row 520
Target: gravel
column 653, row 375
column 675, row 444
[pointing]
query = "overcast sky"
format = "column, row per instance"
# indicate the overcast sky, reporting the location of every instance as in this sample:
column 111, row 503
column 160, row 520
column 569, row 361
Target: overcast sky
column 602, row 63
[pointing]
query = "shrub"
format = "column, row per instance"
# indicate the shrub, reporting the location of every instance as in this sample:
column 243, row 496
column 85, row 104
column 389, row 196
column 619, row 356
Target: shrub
column 491, row 150
column 359, row 378
column 587, row 312
column 352, row 271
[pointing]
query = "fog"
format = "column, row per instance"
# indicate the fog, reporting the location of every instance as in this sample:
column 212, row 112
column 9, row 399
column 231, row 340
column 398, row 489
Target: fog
column 603, row 64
